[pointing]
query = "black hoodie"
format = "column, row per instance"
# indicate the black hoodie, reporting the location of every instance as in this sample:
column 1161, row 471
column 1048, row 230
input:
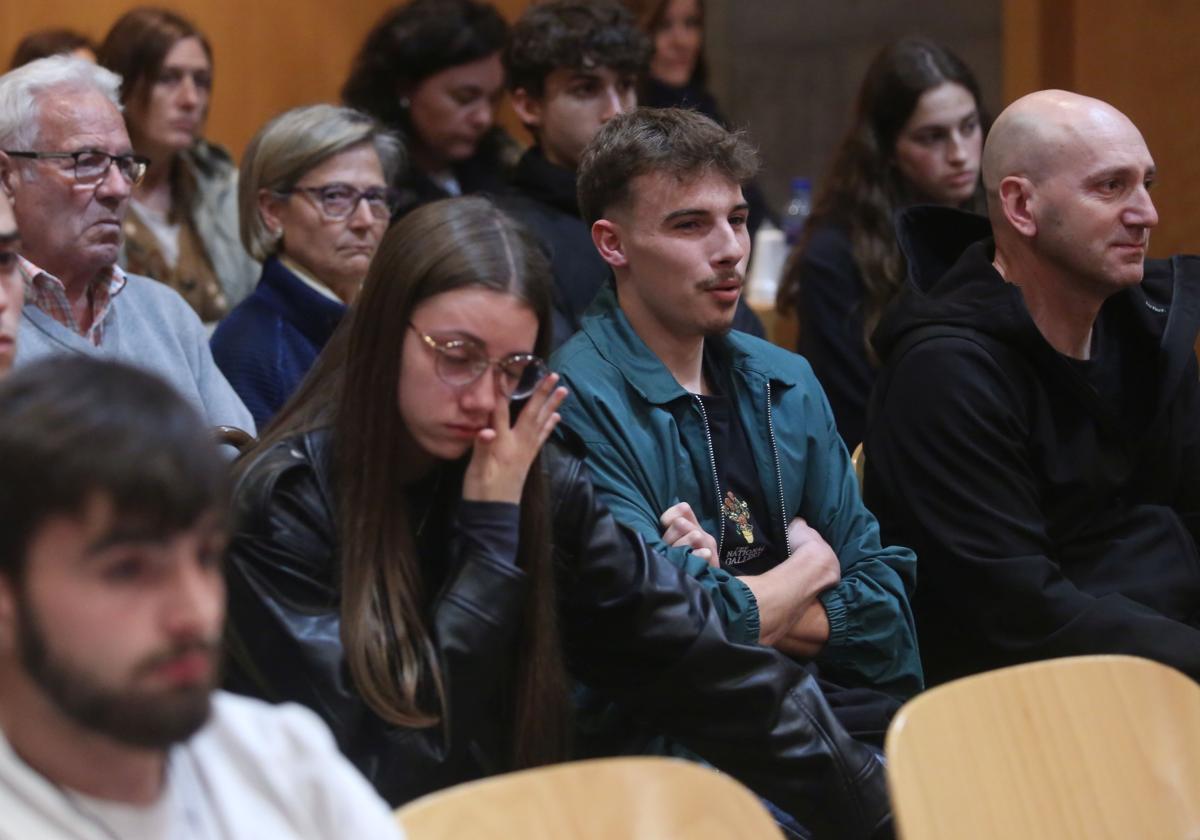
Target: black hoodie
column 1054, row 505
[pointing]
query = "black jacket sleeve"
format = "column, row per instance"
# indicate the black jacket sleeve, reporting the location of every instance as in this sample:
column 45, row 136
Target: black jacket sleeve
column 285, row 628
column 952, row 469
column 830, row 306
column 646, row 634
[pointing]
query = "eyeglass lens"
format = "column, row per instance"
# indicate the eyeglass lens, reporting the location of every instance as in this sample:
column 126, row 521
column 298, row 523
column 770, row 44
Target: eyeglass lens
column 519, row 375
column 93, row 166
column 339, row 201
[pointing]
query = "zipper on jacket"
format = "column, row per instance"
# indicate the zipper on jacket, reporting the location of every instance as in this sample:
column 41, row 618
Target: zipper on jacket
column 712, row 460
column 787, row 543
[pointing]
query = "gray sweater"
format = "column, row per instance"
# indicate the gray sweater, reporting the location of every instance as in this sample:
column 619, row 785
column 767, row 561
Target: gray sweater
column 151, row 326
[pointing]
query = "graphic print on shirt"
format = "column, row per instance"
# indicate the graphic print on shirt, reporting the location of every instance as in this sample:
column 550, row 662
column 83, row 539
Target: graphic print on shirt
column 738, row 512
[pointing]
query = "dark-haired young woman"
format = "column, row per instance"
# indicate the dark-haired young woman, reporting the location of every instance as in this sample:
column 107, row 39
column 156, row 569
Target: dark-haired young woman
column 678, row 73
column 430, row 70
column 426, row 577
column 916, row 138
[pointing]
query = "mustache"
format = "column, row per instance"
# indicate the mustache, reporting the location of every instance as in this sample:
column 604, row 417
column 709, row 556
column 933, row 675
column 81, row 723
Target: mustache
column 720, row 279
column 208, row 647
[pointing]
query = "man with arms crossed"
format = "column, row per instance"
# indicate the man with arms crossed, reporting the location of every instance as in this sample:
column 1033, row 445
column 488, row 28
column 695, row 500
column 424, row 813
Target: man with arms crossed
column 720, row 448
column 112, row 509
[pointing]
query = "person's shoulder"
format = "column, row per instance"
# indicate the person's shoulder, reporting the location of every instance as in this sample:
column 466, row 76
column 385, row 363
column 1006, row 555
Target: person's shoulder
column 769, row 358
column 249, row 322
column 148, row 292
column 579, row 356
column 157, row 305
column 288, row 465
column 829, row 243
column 210, row 160
column 275, row 731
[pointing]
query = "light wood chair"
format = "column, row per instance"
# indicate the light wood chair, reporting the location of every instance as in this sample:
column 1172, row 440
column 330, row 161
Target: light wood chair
column 859, row 459
column 1088, row 747
column 602, row 799
column 239, row 439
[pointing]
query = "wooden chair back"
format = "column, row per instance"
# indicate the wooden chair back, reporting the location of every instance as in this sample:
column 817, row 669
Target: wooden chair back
column 601, row 799
column 239, row 439
column 1083, row 747
column 859, row 459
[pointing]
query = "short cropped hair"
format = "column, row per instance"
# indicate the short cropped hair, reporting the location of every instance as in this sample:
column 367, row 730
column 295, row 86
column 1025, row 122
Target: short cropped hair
column 47, row 42
column 20, row 114
column 74, row 428
column 680, row 142
column 575, row 34
column 289, row 146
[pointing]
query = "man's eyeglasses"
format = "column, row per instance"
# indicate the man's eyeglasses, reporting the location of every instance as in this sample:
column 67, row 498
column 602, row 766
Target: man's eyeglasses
column 337, row 201
column 91, row 167
column 460, row 362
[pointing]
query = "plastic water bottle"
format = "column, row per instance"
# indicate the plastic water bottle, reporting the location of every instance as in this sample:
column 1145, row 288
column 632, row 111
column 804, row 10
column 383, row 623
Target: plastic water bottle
column 798, row 210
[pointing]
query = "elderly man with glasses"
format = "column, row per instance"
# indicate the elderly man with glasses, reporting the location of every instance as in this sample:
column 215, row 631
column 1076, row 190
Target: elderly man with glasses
column 69, row 168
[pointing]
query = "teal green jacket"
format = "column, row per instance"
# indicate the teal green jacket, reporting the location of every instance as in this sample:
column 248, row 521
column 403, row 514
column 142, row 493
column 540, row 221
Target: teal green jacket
column 648, row 449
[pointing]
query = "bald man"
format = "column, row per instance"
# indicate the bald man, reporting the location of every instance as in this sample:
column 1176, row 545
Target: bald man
column 1035, row 432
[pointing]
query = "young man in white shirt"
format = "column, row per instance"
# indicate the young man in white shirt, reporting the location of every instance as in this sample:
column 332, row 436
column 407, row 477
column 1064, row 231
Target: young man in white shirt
column 112, row 528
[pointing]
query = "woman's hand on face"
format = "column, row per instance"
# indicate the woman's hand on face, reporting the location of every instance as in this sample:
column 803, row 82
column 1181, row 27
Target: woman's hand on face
column 503, row 452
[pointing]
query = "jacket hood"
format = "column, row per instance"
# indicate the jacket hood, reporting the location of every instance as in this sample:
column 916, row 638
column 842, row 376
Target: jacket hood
column 545, row 182
column 951, row 283
column 950, row 280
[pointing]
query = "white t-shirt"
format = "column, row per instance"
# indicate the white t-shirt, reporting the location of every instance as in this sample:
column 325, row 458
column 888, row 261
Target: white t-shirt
column 254, row 771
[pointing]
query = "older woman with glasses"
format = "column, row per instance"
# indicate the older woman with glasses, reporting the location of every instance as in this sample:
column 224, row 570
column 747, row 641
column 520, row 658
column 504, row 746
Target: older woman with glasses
column 314, row 202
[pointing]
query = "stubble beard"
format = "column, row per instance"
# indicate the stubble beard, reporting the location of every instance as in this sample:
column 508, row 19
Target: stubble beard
column 135, row 718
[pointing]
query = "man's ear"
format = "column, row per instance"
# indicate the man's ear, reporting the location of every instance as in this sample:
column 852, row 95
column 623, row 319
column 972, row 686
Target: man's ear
column 1018, row 204
column 607, row 237
column 8, row 614
column 7, row 174
column 527, row 107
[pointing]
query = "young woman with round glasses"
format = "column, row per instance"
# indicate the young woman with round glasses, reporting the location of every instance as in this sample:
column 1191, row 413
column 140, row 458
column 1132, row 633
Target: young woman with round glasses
column 314, row 202
column 413, row 564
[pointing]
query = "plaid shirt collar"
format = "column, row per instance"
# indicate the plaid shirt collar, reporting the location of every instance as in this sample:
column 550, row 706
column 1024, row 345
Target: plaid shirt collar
column 47, row 293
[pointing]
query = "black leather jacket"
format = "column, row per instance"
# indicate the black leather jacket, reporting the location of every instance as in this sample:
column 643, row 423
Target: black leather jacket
column 635, row 627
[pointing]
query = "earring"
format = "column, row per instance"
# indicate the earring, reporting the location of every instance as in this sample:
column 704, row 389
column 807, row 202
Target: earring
column 405, row 103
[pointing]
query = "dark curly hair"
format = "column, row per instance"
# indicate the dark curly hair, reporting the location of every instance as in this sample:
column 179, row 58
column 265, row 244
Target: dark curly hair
column 413, row 42
column 864, row 188
column 577, row 34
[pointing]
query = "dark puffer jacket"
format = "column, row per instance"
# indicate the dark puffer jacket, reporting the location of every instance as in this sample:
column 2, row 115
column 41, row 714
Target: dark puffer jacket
column 634, row 627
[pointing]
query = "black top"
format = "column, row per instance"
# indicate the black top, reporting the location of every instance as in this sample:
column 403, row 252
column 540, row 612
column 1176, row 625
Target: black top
column 830, row 305
column 746, row 547
column 634, row 628
column 1053, row 507
column 487, row 171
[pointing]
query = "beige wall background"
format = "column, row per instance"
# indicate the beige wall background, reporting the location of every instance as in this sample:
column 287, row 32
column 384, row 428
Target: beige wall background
column 787, row 69
column 1142, row 57
column 268, row 55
